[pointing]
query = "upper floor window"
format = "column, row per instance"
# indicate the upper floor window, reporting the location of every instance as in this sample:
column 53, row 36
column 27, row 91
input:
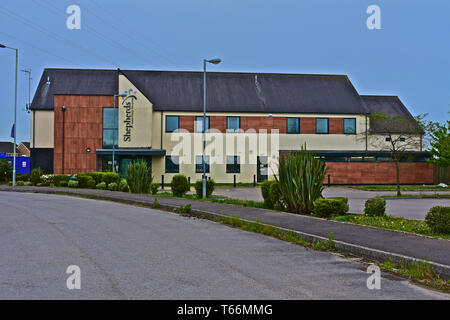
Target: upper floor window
column 233, row 124
column 293, row 125
column 172, row 164
column 172, row 123
column 110, row 132
column 199, row 164
column 350, row 126
column 233, row 164
column 199, row 124
column 321, row 125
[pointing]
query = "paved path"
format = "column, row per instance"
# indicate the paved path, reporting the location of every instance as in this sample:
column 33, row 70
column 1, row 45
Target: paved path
column 406, row 208
column 435, row 250
column 129, row 252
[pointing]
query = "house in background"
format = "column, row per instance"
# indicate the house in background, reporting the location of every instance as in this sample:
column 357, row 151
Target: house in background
column 74, row 126
column 22, row 155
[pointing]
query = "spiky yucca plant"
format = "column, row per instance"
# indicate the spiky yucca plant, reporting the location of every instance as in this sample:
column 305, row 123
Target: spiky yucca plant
column 300, row 178
column 139, row 177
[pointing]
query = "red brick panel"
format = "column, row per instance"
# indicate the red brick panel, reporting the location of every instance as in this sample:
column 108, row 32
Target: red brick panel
column 379, row 173
column 264, row 123
column 307, row 125
column 218, row 123
column 336, row 125
column 187, row 123
column 83, row 129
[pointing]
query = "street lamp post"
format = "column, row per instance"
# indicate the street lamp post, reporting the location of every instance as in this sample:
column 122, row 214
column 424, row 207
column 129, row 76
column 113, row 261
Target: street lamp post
column 15, row 111
column 114, row 132
column 213, row 61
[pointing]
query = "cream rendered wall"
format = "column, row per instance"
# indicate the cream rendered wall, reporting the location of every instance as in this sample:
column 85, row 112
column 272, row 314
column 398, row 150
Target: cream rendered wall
column 141, row 132
column 44, row 131
column 378, row 142
column 250, row 144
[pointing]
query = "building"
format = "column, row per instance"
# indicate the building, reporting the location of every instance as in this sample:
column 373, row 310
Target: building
column 22, row 159
column 252, row 119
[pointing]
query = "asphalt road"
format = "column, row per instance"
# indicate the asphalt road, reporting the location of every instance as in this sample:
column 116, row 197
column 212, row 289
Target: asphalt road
column 406, row 208
column 128, row 252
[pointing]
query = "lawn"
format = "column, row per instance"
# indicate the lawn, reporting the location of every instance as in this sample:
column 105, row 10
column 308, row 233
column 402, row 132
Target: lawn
column 402, row 188
column 419, row 196
column 392, row 223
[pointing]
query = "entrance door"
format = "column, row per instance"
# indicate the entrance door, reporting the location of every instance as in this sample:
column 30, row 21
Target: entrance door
column 262, row 169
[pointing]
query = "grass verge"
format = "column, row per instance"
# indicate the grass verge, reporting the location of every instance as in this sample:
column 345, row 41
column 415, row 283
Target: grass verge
column 392, row 223
column 418, row 272
column 417, row 196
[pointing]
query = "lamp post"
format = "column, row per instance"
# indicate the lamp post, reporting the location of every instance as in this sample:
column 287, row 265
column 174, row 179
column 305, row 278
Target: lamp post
column 124, row 94
column 2, row 46
column 213, row 61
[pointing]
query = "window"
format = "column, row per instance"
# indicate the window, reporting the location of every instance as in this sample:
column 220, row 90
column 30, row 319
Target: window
column 199, row 164
column 350, row 126
column 172, row 164
column 233, row 124
column 110, row 132
column 199, row 124
column 402, row 139
column 388, row 139
column 322, row 125
column 172, row 123
column 233, row 164
column 293, row 125
column 335, row 159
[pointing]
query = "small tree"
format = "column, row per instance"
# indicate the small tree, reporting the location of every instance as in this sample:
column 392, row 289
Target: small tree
column 139, row 177
column 396, row 135
column 439, row 143
column 5, row 171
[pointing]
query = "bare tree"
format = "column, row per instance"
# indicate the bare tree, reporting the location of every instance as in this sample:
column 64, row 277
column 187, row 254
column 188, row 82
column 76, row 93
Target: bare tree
column 397, row 135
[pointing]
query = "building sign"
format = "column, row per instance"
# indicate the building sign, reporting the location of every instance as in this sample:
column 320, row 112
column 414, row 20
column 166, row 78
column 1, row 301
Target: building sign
column 128, row 106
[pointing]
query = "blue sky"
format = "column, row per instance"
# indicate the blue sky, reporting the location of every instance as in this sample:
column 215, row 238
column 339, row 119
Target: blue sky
column 408, row 57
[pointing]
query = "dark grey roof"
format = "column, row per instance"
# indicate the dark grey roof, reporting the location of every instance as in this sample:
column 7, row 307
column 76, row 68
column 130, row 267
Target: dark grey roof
column 74, row 82
column 248, row 92
column 390, row 106
column 6, row 147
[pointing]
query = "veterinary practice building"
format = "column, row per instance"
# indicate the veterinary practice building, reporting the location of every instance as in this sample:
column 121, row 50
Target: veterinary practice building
column 252, row 119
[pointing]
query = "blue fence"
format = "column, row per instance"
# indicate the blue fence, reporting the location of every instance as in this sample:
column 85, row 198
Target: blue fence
column 22, row 163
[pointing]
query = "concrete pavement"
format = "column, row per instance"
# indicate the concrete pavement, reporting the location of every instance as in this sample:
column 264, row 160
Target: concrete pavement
column 128, row 252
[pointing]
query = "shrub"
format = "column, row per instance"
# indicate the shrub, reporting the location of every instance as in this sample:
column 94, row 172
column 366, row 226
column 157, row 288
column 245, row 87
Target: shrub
column 64, row 183
column 20, row 183
column 113, row 186
column 109, row 177
column 36, row 174
column 154, row 187
column 90, row 183
column 97, row 176
column 179, row 185
column 265, row 192
column 300, row 178
column 22, row 177
column 139, row 177
column 47, row 179
column 5, row 171
column 27, row 183
column 210, row 185
column 375, row 207
column 123, row 186
column 73, row 184
column 83, row 179
column 326, row 208
column 438, row 219
column 59, row 178
column 101, row 186
column 156, row 203
column 275, row 196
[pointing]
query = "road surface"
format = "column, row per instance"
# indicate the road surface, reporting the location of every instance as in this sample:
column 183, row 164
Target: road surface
column 128, row 252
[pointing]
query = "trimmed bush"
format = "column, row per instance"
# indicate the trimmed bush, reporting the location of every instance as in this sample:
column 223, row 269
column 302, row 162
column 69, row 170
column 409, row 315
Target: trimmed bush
column 326, row 208
column 154, row 187
column 113, row 186
column 90, row 183
column 101, row 186
column 64, row 183
column 438, row 219
column 47, row 179
column 139, row 177
column 210, row 185
column 83, row 179
column 27, row 183
column 123, row 186
column 265, row 191
column 22, row 177
column 72, row 184
column 5, row 171
column 375, row 207
column 179, row 185
column 36, row 174
column 275, row 196
column 59, row 178
column 97, row 176
column 20, row 183
column 109, row 177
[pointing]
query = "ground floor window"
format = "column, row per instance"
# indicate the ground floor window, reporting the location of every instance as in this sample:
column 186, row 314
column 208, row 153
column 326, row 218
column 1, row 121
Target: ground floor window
column 233, row 164
column 199, row 164
column 172, row 164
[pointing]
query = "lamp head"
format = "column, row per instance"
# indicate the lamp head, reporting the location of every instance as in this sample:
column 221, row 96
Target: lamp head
column 215, row 61
column 2, row 46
